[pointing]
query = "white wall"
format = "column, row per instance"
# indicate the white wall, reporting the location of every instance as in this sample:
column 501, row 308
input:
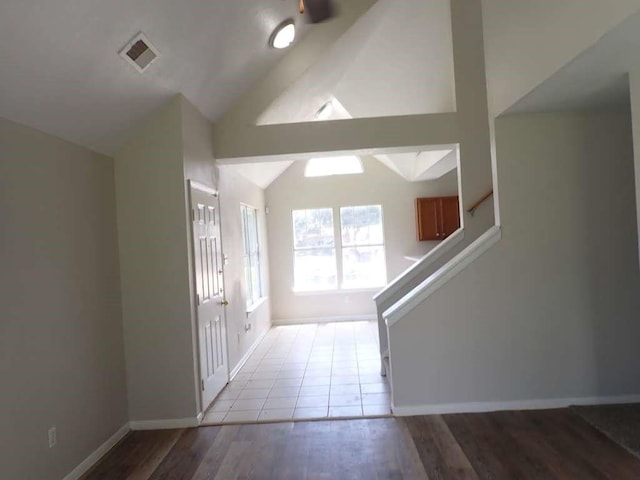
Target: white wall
column 377, row 185
column 61, row 349
column 552, row 310
column 526, row 42
column 152, row 229
column 234, row 190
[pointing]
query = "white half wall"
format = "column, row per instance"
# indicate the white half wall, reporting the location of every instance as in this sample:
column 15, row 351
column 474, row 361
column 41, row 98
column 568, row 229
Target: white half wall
column 551, row 311
column 378, row 185
column 61, row 347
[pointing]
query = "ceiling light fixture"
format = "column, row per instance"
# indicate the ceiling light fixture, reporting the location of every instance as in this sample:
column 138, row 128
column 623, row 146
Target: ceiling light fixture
column 283, row 35
column 325, row 111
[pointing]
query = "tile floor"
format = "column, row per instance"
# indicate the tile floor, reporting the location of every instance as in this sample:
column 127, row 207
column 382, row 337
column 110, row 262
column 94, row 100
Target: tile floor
column 329, row 370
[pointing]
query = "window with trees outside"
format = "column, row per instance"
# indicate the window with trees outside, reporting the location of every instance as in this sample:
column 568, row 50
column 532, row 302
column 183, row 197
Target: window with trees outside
column 252, row 273
column 353, row 258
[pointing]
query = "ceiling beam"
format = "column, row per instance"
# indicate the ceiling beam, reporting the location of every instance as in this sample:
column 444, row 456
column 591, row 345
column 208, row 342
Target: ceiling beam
column 252, row 144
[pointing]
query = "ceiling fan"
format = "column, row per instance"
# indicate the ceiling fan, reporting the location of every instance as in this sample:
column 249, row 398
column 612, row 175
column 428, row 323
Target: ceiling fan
column 318, row 10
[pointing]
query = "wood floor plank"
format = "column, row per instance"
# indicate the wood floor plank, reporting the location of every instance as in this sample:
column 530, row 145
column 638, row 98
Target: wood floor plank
column 563, row 462
column 214, row 457
column 490, row 450
column 590, row 448
column 187, row 454
column 439, row 452
column 136, row 457
column 503, row 445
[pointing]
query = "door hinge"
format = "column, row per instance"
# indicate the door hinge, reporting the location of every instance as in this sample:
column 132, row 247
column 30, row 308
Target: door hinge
column 202, row 384
column 193, row 215
column 198, row 298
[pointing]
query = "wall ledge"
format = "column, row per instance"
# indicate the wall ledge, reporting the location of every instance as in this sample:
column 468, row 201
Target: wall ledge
column 398, row 283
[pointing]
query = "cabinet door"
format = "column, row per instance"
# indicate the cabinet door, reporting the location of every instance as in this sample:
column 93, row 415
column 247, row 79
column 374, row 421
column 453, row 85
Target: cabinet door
column 428, row 219
column 450, row 220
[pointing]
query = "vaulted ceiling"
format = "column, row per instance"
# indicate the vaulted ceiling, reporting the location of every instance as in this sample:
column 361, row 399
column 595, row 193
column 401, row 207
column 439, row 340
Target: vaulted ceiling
column 61, row 72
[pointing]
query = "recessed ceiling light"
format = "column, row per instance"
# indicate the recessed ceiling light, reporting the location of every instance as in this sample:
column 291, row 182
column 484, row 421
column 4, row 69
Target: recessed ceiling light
column 325, row 111
column 283, row 35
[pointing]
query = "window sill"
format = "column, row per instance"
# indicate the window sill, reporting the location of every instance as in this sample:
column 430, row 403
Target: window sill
column 253, row 307
column 336, row 291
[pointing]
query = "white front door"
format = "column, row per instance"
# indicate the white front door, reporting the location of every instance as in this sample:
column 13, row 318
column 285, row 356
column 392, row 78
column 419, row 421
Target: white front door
column 210, row 299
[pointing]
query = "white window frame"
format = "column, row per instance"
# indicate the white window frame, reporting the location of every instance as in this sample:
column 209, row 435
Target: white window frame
column 337, row 236
column 253, row 300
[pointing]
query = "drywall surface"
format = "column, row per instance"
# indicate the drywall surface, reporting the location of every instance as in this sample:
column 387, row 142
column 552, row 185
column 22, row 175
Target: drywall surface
column 634, row 84
column 150, row 192
column 378, row 185
column 551, row 311
column 526, row 42
column 235, row 190
column 61, row 348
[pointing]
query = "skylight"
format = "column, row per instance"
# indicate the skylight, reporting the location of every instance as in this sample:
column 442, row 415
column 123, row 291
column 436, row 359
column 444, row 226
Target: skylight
column 325, row 166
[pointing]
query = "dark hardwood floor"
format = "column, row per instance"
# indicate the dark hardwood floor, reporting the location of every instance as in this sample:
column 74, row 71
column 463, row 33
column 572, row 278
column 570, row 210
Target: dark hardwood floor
column 542, row 444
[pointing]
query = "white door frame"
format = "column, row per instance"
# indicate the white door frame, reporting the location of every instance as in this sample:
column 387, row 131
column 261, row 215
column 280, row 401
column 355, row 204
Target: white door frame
column 191, row 184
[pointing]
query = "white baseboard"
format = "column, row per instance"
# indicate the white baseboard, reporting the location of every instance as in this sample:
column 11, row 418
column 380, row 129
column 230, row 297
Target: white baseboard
column 344, row 318
column 478, row 407
column 92, row 459
column 246, row 356
column 165, row 424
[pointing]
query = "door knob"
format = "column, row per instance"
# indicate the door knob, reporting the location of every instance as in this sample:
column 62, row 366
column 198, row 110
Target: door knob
column 224, row 302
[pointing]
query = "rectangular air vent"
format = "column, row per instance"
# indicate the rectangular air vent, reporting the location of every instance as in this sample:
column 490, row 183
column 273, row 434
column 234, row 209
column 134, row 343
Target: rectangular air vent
column 139, row 52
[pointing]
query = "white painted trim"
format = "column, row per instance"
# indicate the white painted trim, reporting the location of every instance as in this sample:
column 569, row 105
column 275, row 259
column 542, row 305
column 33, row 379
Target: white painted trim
column 343, row 318
column 165, row 424
column 252, row 308
column 246, row 356
column 538, row 404
column 441, row 276
column 100, row 452
column 419, row 267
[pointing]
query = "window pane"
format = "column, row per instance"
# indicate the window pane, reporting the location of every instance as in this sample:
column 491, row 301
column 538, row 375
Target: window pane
column 363, row 267
column 313, row 228
column 253, row 279
column 252, row 227
column 315, row 269
column 361, row 225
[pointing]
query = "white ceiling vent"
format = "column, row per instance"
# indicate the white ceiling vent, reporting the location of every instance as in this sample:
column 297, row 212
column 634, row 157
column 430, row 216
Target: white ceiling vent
column 139, row 52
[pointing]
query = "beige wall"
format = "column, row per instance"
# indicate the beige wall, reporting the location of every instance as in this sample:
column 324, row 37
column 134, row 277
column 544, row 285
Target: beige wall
column 551, row 311
column 61, row 349
column 152, row 230
column 235, row 190
column 526, row 42
column 377, row 185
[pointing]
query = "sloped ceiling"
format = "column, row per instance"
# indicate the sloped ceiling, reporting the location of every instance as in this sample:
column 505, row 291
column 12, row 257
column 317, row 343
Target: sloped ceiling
column 61, row 72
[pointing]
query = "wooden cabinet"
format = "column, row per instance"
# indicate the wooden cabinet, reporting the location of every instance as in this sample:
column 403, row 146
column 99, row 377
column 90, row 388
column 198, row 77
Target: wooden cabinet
column 437, row 217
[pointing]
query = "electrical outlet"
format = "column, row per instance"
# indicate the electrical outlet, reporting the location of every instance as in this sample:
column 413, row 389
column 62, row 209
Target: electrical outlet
column 53, row 437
